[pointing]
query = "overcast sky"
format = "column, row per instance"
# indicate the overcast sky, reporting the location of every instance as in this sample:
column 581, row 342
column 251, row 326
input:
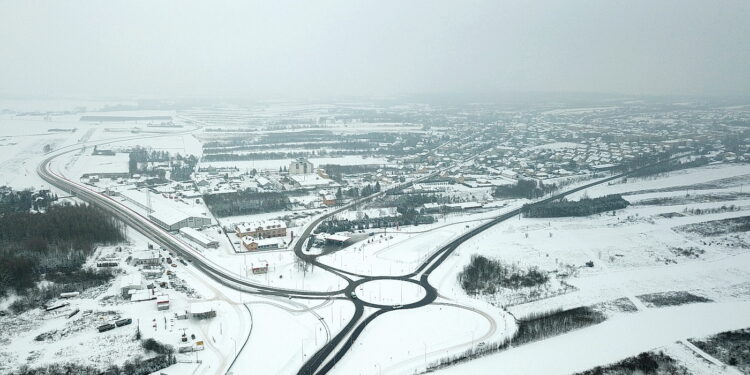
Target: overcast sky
column 276, row 49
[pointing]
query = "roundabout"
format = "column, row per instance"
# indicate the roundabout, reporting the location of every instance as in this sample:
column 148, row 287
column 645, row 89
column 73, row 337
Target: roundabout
column 391, row 293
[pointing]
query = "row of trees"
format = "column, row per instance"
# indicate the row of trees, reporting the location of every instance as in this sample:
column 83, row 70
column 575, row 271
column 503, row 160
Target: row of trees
column 134, row 366
column 245, row 202
column 343, row 145
column 280, row 155
column 664, row 168
column 334, row 226
column 583, row 207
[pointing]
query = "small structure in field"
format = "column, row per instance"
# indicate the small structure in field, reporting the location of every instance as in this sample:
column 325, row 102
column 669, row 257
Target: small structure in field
column 202, row 310
column 162, row 302
column 260, row 267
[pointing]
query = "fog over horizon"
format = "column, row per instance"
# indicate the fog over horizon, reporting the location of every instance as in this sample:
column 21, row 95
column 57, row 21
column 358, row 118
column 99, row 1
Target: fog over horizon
column 317, row 49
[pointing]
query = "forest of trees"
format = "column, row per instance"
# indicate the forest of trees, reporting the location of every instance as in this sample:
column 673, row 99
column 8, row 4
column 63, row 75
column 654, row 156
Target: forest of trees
column 24, row 200
column 484, row 275
column 524, row 189
column 582, row 207
column 54, row 243
column 245, row 202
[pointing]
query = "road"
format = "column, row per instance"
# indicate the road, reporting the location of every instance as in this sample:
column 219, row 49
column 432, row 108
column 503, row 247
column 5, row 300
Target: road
column 328, row 355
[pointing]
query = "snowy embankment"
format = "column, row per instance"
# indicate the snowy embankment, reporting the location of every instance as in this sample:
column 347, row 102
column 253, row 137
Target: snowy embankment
column 611, row 341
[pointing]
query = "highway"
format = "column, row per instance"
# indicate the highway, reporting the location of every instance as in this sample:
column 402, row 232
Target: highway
column 328, row 355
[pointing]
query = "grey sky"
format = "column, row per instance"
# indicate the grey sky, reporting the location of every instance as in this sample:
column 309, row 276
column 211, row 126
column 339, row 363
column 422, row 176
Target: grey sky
column 326, row 48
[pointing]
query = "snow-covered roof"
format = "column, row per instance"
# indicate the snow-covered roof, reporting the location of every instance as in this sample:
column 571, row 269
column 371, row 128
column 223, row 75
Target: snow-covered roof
column 200, row 307
column 266, row 224
column 130, row 280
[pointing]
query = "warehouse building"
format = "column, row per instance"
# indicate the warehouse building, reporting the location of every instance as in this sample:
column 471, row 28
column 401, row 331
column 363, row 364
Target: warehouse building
column 173, row 220
column 198, row 237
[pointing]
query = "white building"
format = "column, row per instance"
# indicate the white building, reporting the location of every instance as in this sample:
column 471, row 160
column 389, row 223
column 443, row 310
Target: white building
column 130, row 283
column 198, row 237
column 145, row 257
column 300, row 166
column 252, row 243
column 174, row 220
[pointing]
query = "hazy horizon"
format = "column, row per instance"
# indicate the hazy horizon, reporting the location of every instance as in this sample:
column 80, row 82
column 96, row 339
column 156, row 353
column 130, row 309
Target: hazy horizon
column 325, row 49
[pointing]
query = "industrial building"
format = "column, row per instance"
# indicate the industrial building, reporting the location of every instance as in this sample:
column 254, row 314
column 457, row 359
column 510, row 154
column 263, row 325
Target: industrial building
column 145, row 257
column 132, row 282
column 198, row 237
column 168, row 214
column 174, row 220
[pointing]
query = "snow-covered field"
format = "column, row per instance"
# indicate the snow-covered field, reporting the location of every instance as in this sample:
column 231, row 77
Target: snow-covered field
column 634, row 252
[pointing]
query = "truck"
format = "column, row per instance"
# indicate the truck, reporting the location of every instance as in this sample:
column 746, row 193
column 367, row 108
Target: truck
column 105, row 327
column 123, row 322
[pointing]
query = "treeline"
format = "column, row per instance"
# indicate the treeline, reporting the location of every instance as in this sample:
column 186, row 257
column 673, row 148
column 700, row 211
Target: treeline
column 24, row 200
column 337, row 171
column 343, row 145
column 531, row 329
column 541, row 326
column 280, row 155
column 245, row 202
column 582, row 207
column 55, row 243
column 134, row 366
column 334, row 226
column 645, row 363
column 484, row 275
column 643, row 161
column 664, row 168
column 529, row 189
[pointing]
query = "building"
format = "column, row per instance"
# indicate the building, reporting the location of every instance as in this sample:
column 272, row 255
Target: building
column 300, row 166
column 129, row 283
column 165, row 212
column 335, row 239
column 252, row 243
column 329, row 200
column 260, row 267
column 162, row 302
column 111, row 166
column 202, row 310
column 145, row 257
column 262, row 229
column 174, row 220
column 198, row 237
